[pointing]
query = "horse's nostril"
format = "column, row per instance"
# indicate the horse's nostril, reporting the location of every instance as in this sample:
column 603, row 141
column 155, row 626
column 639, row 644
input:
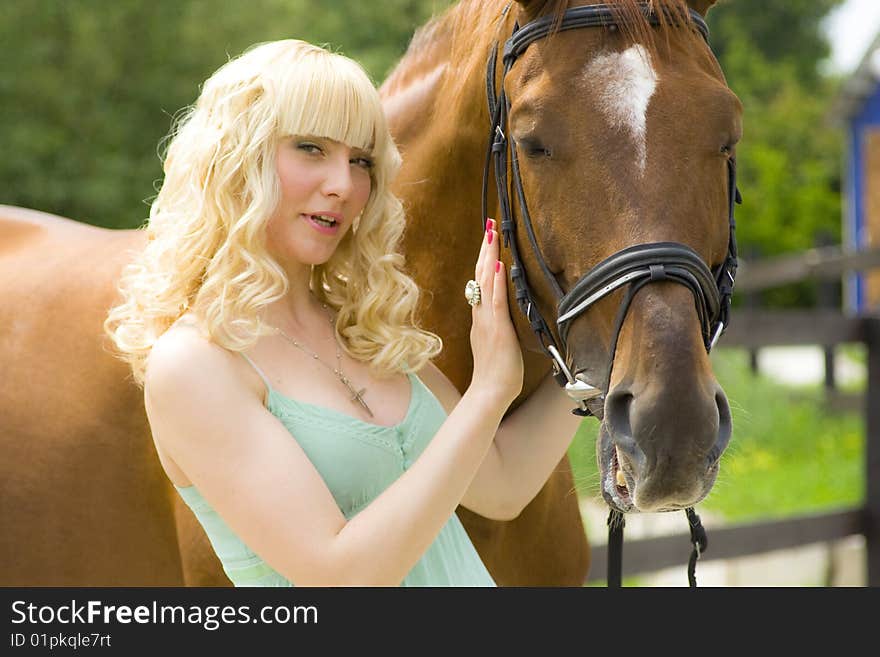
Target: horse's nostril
column 617, row 413
column 725, row 428
column 725, row 423
column 618, row 407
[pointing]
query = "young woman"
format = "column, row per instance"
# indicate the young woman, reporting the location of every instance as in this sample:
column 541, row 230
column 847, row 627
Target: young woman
column 290, row 394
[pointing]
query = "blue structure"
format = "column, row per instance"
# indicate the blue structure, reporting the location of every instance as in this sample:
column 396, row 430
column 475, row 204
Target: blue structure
column 858, row 108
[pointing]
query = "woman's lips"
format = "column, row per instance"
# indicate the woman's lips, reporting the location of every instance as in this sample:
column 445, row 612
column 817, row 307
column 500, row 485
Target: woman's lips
column 321, row 228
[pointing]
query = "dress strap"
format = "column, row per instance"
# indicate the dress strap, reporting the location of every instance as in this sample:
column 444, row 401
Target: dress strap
column 258, row 371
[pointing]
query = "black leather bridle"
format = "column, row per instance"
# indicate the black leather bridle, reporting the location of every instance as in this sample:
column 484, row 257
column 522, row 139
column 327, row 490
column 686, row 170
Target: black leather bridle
column 635, row 266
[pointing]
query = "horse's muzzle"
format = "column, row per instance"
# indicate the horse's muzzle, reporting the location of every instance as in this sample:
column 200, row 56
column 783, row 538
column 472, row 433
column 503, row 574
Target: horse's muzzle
column 659, row 450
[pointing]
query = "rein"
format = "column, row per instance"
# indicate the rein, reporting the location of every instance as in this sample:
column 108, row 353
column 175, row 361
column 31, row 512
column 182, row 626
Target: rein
column 616, row 522
column 635, row 266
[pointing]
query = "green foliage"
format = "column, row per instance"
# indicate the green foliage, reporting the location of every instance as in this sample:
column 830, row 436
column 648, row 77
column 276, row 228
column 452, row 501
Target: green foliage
column 88, row 88
column 789, row 160
column 788, row 454
column 784, row 33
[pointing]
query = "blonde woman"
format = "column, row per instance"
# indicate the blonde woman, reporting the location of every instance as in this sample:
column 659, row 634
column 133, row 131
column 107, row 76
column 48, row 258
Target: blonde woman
column 290, row 394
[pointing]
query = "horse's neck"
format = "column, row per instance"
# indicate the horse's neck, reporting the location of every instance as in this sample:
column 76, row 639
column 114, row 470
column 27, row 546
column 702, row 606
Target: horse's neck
column 435, row 100
column 413, row 87
column 438, row 87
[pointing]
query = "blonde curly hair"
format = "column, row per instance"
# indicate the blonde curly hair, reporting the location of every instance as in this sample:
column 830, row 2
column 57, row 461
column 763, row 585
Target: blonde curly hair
column 206, row 251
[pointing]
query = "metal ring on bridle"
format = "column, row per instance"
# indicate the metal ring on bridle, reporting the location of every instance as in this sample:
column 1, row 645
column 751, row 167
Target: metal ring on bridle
column 472, row 292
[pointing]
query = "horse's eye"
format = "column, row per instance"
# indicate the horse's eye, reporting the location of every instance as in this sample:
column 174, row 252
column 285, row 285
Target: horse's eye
column 534, row 148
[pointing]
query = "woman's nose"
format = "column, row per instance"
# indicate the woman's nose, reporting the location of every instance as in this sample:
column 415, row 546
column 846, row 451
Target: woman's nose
column 338, row 181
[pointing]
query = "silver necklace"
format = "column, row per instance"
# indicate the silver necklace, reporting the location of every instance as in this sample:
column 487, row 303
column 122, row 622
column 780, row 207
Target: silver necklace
column 357, row 396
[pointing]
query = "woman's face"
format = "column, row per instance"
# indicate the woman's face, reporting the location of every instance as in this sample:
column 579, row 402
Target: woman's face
column 325, row 185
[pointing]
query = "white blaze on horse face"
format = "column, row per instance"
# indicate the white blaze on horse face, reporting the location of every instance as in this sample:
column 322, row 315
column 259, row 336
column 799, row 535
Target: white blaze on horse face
column 626, row 82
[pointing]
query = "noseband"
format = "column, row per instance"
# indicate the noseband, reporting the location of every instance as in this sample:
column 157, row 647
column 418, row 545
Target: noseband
column 635, row 266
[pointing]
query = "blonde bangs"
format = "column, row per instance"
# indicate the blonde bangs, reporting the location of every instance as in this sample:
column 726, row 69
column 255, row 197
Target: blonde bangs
column 332, row 97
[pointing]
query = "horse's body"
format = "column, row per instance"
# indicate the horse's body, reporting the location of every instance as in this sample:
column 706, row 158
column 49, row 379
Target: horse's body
column 83, row 499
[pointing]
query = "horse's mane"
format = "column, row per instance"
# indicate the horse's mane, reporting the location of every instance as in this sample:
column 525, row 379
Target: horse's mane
column 463, row 34
column 470, row 27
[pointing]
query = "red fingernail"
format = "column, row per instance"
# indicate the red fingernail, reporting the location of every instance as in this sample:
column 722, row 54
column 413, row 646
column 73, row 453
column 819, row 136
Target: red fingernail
column 488, row 235
column 490, row 223
column 497, row 266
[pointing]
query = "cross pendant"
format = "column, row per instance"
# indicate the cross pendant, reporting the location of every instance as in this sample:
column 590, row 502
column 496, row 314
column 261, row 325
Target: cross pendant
column 357, row 396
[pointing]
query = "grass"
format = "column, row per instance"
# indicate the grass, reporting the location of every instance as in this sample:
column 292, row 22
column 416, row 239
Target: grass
column 789, row 453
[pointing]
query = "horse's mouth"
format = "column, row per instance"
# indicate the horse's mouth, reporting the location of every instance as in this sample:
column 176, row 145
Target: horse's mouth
column 615, row 473
column 619, row 483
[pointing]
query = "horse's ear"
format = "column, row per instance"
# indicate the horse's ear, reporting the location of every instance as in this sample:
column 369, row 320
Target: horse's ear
column 701, row 6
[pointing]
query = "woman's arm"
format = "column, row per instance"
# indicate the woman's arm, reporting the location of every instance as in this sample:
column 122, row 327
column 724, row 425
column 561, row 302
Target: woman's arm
column 530, row 441
column 529, row 444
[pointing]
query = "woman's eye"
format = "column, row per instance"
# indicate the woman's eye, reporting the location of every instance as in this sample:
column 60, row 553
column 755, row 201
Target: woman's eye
column 363, row 162
column 309, row 147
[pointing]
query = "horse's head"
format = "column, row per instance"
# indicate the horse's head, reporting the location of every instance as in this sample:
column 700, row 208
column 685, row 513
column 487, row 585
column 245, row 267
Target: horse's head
column 624, row 137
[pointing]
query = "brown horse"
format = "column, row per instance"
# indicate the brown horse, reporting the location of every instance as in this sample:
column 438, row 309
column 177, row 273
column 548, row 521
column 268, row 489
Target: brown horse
column 623, row 139
column 623, row 136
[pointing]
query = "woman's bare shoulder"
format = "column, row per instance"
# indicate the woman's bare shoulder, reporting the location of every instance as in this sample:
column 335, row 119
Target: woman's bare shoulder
column 184, row 359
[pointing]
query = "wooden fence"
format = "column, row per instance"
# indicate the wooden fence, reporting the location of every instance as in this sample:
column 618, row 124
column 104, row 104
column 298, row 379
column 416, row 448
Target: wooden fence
column 751, row 329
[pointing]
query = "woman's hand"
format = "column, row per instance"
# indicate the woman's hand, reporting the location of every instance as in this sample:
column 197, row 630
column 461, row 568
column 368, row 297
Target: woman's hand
column 498, row 366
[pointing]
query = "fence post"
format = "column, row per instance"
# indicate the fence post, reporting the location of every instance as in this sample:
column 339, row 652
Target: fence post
column 872, row 451
column 828, row 296
column 752, row 301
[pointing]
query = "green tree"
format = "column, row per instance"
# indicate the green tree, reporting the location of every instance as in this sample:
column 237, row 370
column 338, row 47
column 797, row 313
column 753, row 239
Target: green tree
column 789, row 160
column 88, row 88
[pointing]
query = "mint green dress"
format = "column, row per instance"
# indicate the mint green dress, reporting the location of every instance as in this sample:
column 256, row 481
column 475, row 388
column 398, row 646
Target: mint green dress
column 357, row 460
